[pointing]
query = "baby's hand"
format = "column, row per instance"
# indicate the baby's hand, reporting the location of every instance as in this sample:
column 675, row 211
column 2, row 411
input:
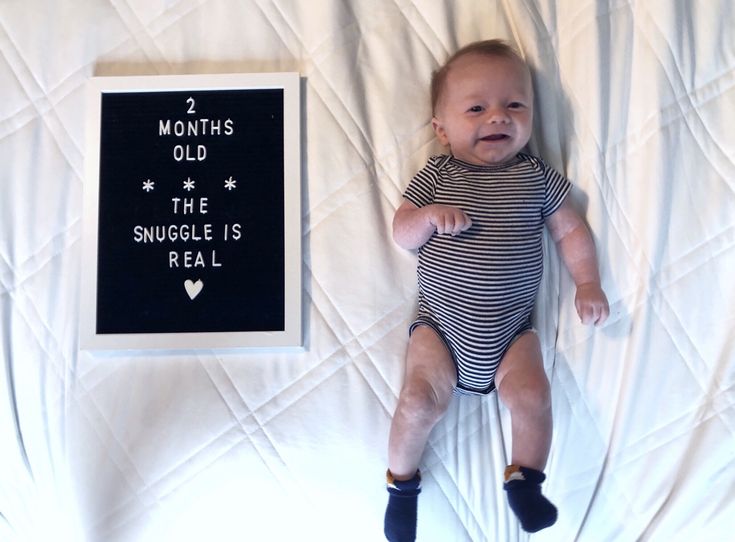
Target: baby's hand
column 448, row 219
column 591, row 304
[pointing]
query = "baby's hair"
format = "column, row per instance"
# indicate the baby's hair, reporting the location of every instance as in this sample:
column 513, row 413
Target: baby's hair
column 493, row 48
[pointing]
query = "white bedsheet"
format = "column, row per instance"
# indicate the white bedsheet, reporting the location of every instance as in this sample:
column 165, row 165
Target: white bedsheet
column 635, row 103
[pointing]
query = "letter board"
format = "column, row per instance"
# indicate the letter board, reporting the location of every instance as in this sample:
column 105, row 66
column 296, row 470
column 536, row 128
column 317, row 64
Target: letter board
column 192, row 233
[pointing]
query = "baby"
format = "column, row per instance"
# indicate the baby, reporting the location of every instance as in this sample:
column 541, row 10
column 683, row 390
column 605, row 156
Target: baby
column 476, row 217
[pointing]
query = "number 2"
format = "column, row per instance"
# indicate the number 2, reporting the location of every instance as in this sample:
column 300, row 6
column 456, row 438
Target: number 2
column 191, row 109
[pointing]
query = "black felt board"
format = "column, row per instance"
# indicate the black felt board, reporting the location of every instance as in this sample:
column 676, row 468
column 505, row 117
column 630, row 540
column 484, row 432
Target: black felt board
column 151, row 145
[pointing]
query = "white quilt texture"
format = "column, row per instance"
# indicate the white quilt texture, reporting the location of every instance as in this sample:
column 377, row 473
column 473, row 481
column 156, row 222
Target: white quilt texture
column 635, row 104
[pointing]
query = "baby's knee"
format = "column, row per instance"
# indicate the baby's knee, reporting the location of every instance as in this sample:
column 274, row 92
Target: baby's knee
column 530, row 395
column 422, row 402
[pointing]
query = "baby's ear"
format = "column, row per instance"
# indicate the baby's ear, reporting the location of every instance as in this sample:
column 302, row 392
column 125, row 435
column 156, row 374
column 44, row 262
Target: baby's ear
column 439, row 131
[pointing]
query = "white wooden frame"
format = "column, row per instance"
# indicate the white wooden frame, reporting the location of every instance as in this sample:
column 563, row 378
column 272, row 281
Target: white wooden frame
column 291, row 336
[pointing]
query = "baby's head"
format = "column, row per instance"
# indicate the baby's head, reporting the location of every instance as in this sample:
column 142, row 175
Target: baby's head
column 482, row 103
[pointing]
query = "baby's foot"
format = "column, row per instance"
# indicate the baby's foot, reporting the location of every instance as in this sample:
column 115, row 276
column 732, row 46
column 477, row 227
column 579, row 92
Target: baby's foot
column 400, row 514
column 523, row 487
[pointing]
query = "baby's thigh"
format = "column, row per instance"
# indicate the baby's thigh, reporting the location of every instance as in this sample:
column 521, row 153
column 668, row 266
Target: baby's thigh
column 429, row 361
column 522, row 367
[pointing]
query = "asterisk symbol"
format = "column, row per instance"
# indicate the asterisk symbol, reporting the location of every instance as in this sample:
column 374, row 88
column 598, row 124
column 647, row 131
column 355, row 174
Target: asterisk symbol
column 148, row 185
column 230, row 183
column 188, row 184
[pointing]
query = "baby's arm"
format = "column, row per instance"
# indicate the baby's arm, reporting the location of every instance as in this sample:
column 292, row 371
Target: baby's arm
column 413, row 226
column 577, row 250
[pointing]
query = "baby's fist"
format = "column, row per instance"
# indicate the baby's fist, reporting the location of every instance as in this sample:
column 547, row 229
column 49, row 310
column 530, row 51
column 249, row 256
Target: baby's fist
column 591, row 304
column 448, row 219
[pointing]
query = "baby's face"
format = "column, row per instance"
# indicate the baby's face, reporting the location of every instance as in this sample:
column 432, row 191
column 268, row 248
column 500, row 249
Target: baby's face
column 485, row 110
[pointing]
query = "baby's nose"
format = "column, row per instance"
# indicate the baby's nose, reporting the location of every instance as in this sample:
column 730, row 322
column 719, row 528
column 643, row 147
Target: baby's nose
column 497, row 115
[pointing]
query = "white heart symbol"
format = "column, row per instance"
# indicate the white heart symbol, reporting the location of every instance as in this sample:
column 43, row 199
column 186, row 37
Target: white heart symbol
column 193, row 288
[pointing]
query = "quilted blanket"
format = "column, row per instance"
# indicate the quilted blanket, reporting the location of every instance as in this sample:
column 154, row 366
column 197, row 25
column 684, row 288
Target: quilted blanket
column 635, row 103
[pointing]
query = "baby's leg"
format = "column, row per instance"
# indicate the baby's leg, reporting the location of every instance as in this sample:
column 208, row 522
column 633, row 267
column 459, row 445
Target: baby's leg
column 524, row 389
column 427, row 390
column 426, row 393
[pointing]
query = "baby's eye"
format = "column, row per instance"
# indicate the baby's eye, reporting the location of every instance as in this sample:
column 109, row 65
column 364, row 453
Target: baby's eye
column 515, row 105
column 475, row 109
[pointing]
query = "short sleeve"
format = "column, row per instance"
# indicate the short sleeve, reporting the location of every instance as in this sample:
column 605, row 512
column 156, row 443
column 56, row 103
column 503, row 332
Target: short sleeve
column 557, row 188
column 422, row 188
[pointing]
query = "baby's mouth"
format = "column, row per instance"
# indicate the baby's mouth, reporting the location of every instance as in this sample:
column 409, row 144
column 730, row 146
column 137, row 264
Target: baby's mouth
column 495, row 137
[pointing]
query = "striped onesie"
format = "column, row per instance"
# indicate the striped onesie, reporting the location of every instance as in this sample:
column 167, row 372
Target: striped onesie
column 477, row 289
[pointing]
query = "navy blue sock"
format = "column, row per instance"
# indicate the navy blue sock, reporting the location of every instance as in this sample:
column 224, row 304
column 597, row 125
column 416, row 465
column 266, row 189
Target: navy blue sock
column 523, row 487
column 400, row 514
